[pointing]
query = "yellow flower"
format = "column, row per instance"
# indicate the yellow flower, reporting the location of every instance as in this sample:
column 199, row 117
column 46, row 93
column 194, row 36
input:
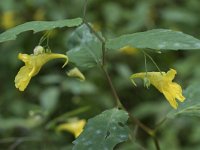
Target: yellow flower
column 75, row 72
column 75, row 127
column 129, row 50
column 8, row 20
column 39, row 15
column 163, row 82
column 33, row 64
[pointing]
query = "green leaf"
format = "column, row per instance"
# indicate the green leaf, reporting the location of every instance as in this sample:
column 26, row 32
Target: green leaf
column 49, row 98
column 85, row 48
column 104, row 131
column 38, row 26
column 159, row 39
column 191, row 106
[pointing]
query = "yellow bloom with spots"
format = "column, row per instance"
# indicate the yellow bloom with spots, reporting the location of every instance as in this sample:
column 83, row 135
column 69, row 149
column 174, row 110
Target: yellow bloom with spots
column 75, row 127
column 163, row 82
column 33, row 64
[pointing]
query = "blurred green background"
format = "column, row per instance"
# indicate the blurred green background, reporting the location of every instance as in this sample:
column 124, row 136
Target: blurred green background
column 28, row 119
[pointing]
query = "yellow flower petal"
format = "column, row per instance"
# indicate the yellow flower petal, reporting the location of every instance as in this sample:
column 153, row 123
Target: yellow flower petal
column 171, row 99
column 178, row 91
column 129, row 50
column 22, row 79
column 163, row 82
column 171, row 74
column 74, row 127
column 33, row 64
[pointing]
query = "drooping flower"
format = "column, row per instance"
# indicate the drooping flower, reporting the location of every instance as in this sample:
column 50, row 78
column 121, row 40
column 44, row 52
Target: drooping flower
column 33, row 64
column 75, row 127
column 163, row 82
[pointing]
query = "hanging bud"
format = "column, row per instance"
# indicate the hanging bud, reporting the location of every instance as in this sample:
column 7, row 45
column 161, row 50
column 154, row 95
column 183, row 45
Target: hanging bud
column 147, row 82
column 75, row 72
column 38, row 50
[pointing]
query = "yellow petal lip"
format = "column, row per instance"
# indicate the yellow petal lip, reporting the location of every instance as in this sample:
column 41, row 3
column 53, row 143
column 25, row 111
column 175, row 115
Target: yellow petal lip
column 33, row 64
column 163, row 82
column 75, row 127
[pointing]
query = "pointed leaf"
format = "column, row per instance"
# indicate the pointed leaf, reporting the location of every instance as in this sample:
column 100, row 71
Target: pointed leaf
column 38, row 26
column 104, row 131
column 85, row 48
column 159, row 39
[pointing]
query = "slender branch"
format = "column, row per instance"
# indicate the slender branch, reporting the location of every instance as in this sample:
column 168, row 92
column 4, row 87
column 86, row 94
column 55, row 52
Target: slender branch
column 148, row 130
column 118, row 103
column 156, row 143
column 160, row 123
column 152, row 61
column 88, row 25
column 101, row 39
column 85, row 9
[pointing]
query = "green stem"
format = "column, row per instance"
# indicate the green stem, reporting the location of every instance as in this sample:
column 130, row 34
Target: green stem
column 148, row 130
column 152, row 61
column 156, row 143
column 160, row 123
column 117, row 101
column 120, row 105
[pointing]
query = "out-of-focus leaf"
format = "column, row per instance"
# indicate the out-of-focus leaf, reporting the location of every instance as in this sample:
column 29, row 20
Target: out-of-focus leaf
column 10, row 123
column 114, row 17
column 131, row 146
column 85, row 48
column 66, row 115
column 139, row 18
column 104, row 131
column 179, row 15
column 148, row 108
column 159, row 39
column 77, row 87
column 191, row 106
column 38, row 26
column 49, row 98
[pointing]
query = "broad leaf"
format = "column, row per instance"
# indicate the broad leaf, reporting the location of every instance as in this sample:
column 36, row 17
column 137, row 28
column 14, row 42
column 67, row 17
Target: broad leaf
column 104, row 131
column 191, row 106
column 85, row 48
column 159, row 39
column 38, row 26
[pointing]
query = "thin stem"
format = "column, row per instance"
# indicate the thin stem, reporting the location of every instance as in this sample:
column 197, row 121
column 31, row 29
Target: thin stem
column 152, row 61
column 148, row 130
column 145, row 64
column 156, row 143
column 101, row 39
column 116, row 97
column 85, row 9
column 120, row 105
column 43, row 38
column 160, row 123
